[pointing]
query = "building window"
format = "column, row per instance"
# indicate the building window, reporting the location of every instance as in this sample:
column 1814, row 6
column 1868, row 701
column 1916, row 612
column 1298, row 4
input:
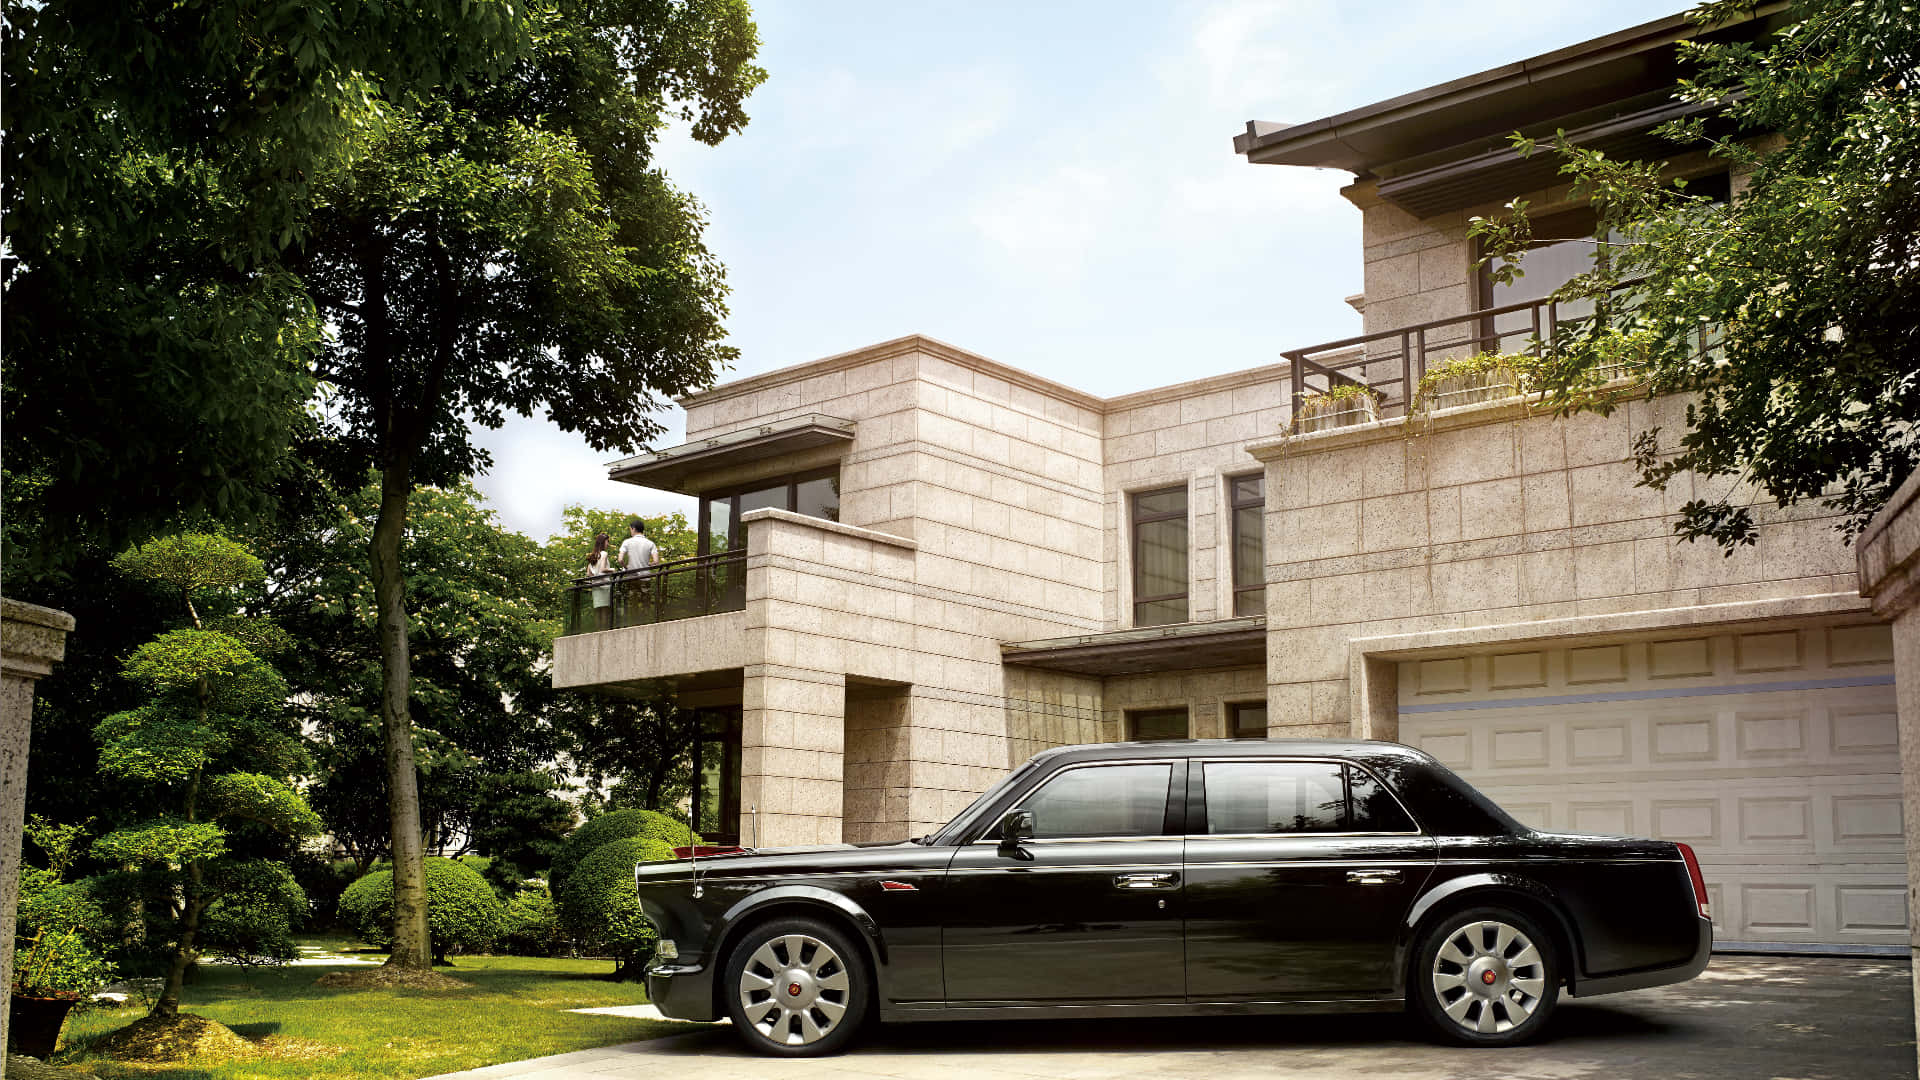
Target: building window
column 716, row 775
column 1248, row 721
column 1152, row 725
column 1160, row 557
column 815, row 494
column 1247, row 502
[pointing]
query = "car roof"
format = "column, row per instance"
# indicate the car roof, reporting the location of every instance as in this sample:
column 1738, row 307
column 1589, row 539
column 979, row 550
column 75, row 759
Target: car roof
column 1163, row 748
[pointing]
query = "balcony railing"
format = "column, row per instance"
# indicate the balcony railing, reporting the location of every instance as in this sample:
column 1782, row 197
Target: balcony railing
column 1391, row 363
column 681, row 589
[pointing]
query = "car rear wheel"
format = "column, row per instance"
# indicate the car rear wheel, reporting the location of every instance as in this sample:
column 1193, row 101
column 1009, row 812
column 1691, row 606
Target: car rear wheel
column 796, row 987
column 1486, row 976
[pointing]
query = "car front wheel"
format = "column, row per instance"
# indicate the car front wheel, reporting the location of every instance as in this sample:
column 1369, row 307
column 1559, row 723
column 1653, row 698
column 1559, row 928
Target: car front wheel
column 1485, row 977
column 796, row 987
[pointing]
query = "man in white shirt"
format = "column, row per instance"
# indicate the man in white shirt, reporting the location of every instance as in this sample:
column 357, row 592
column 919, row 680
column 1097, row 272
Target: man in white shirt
column 636, row 550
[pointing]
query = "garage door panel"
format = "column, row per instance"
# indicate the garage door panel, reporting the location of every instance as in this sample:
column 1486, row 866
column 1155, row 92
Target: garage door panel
column 1773, row 753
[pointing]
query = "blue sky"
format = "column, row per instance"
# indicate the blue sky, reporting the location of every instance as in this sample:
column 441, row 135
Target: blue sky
column 1048, row 183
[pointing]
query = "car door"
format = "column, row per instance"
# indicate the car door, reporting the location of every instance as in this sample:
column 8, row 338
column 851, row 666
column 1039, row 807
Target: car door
column 1298, row 876
column 1087, row 911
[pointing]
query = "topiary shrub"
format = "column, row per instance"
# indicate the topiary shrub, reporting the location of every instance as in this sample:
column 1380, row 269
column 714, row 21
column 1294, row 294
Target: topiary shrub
column 600, row 908
column 533, row 924
column 252, row 919
column 463, row 914
column 617, row 825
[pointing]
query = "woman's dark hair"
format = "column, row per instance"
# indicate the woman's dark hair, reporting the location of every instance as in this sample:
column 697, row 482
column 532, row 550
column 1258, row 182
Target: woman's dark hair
column 599, row 545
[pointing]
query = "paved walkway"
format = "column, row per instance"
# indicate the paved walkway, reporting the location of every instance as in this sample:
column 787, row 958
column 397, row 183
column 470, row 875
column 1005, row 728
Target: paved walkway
column 1746, row 1018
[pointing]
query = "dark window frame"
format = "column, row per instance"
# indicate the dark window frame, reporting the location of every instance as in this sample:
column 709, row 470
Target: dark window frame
column 1233, row 719
column 732, row 492
column 1234, row 506
column 1137, row 518
column 1132, row 719
column 727, row 743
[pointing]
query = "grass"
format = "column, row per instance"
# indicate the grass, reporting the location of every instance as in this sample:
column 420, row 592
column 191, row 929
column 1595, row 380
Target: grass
column 516, row 1009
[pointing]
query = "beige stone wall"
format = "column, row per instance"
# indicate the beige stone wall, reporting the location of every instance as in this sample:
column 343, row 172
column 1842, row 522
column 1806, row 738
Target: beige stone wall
column 1490, row 517
column 1204, row 694
column 1045, row 709
column 1189, row 434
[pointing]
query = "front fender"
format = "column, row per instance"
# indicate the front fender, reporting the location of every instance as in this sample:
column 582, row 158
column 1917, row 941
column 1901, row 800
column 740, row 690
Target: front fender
column 796, row 896
column 1494, row 882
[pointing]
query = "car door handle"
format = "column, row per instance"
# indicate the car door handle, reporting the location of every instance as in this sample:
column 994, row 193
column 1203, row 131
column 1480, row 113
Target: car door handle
column 1146, row 881
column 1373, row 877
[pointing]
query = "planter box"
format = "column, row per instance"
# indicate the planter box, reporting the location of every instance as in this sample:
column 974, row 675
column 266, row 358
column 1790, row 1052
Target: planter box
column 1472, row 388
column 1345, row 413
column 33, row 1024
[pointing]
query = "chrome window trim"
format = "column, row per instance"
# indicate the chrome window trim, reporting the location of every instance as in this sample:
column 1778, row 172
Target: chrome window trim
column 1203, row 762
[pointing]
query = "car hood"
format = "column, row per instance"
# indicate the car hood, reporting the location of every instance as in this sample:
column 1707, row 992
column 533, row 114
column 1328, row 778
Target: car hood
column 802, row 861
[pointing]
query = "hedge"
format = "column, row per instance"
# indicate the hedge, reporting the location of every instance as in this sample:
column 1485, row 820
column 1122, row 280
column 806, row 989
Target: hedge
column 616, row 825
column 463, row 913
column 599, row 906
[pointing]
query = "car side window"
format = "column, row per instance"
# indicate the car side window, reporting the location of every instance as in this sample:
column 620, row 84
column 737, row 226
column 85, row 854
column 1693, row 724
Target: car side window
column 1103, row 800
column 1275, row 797
column 1374, row 808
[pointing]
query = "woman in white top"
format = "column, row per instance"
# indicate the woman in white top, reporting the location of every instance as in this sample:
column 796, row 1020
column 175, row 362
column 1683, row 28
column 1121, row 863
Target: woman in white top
column 600, row 562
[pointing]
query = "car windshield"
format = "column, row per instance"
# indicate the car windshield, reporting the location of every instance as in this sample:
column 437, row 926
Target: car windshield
column 976, row 807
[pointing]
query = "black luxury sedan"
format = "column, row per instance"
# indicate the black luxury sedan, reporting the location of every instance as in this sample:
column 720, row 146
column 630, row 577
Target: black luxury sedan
column 1179, row 878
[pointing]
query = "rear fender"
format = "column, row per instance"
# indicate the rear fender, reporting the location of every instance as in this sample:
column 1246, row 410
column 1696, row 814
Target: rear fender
column 1459, row 892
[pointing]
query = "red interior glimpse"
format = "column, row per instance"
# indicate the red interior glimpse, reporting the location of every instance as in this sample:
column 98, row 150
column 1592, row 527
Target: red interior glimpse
column 1699, row 882
column 704, row 850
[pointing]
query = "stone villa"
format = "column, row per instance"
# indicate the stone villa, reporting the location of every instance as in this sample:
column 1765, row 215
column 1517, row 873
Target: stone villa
column 919, row 566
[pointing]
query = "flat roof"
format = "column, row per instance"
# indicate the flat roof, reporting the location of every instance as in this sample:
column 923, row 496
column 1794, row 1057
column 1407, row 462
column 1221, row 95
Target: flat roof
column 1240, row 642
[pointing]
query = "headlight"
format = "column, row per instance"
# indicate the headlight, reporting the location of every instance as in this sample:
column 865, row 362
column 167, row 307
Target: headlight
column 666, row 950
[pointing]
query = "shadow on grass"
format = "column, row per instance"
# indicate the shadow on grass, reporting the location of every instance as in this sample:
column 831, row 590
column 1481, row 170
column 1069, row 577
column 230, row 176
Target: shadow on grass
column 256, row 1031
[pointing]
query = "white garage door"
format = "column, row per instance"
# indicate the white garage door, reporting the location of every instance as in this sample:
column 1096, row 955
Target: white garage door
column 1775, row 754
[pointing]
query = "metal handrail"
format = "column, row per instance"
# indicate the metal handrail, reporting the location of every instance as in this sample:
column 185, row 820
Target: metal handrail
column 1406, row 365
column 680, row 589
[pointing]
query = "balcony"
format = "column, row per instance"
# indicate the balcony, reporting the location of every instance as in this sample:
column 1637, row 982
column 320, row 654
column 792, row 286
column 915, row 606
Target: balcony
column 664, row 592
column 1392, row 362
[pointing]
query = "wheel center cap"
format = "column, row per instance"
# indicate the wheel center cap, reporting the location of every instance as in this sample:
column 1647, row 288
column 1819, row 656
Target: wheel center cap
column 794, row 988
column 1486, row 976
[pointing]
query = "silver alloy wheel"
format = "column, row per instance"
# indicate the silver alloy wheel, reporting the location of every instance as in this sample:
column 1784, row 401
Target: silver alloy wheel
column 794, row 989
column 1488, row 977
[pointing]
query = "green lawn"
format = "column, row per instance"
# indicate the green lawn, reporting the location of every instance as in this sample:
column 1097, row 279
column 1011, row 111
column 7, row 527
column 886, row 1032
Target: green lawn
column 516, row 1009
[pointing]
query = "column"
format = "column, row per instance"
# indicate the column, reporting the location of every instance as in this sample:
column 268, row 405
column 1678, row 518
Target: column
column 792, row 740
column 32, row 639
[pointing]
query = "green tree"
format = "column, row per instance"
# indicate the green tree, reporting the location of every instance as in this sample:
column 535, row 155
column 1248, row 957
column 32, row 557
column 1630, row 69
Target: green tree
column 211, row 735
column 1791, row 315
column 482, row 601
column 509, row 247
column 671, row 532
column 160, row 157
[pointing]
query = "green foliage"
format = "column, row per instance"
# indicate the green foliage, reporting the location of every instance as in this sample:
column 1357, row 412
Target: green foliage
column 263, row 800
column 1790, row 316
column 672, row 533
column 463, row 914
column 599, row 906
column 56, row 964
column 533, row 924
column 160, row 159
column 60, row 936
column 60, row 843
column 257, row 907
column 163, row 842
column 649, row 825
column 1482, row 369
column 191, row 563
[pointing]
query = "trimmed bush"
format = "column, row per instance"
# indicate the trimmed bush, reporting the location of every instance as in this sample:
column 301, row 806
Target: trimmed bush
column 617, row 825
column 463, row 914
column 599, row 906
column 253, row 918
column 533, row 924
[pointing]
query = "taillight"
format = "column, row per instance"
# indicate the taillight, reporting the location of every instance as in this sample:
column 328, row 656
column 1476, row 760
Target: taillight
column 1698, row 882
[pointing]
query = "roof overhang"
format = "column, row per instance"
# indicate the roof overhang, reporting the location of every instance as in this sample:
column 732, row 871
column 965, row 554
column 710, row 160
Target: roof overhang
column 669, row 469
column 1590, row 83
column 1238, row 642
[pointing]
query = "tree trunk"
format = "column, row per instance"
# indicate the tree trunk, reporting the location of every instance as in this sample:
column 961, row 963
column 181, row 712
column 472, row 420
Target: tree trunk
column 169, row 1001
column 411, row 948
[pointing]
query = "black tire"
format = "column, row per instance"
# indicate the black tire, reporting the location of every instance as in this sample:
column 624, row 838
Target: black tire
column 1503, row 992
column 816, row 987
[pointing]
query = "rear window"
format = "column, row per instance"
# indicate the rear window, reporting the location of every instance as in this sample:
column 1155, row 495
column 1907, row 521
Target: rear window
column 1266, row 797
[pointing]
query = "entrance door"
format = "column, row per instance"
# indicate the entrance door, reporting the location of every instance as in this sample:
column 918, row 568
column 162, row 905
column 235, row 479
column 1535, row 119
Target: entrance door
column 1088, row 910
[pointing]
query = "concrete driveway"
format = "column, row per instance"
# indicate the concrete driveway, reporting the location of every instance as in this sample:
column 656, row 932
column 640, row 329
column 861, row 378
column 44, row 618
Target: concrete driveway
column 1750, row 1018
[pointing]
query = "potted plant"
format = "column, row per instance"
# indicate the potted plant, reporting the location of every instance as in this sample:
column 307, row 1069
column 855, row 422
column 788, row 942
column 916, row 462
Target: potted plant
column 1339, row 406
column 1469, row 380
column 51, row 971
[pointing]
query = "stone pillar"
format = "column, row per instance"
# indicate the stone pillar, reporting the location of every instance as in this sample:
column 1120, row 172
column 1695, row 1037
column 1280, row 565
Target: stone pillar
column 1889, row 553
column 32, row 638
column 792, row 742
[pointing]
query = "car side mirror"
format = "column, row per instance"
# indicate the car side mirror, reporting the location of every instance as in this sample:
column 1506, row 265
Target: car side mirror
column 1015, row 826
